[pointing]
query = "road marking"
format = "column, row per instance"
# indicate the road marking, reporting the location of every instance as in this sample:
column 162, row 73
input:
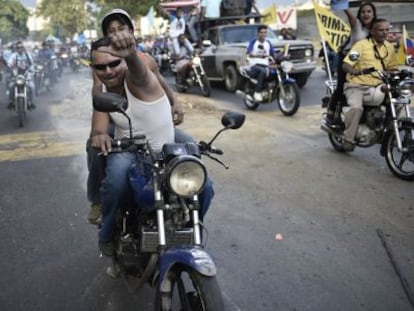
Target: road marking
column 44, row 144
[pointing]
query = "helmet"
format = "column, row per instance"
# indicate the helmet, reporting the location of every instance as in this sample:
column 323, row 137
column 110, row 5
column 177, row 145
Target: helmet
column 116, row 14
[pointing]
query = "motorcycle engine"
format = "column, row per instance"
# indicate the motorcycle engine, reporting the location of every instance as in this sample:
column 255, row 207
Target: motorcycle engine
column 370, row 125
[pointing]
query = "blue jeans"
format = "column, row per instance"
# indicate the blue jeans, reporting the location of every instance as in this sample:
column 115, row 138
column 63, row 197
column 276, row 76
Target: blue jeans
column 115, row 191
column 258, row 72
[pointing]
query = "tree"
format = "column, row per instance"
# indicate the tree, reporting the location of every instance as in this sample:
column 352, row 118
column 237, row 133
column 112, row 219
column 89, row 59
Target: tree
column 133, row 7
column 66, row 17
column 13, row 20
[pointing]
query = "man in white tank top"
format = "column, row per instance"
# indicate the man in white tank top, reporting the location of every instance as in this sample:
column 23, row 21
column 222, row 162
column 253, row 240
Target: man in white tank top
column 117, row 65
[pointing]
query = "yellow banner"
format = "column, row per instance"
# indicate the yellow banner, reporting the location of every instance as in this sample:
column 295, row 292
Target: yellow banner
column 270, row 15
column 331, row 28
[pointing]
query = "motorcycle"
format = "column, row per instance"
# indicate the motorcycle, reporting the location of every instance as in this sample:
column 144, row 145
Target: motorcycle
column 278, row 86
column 40, row 78
column 22, row 98
column 195, row 76
column 160, row 242
column 162, row 58
column 389, row 124
column 74, row 62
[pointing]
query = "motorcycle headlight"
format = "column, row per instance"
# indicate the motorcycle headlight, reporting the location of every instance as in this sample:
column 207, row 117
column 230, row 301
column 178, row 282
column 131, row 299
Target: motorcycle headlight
column 286, row 66
column 164, row 56
column 39, row 67
column 185, row 176
column 20, row 80
column 196, row 60
column 308, row 52
column 64, row 55
column 406, row 88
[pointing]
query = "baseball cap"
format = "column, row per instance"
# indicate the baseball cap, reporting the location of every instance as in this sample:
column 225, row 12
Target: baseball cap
column 116, row 14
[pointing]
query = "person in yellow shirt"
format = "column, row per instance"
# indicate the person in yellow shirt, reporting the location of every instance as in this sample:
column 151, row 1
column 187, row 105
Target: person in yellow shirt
column 359, row 88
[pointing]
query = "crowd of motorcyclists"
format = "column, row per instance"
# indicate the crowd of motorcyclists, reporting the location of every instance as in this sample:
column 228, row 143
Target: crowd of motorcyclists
column 42, row 66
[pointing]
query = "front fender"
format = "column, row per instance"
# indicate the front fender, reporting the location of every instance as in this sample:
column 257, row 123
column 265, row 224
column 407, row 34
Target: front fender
column 193, row 256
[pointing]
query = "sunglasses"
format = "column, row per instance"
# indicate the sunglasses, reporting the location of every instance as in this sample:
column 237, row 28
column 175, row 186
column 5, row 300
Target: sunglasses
column 113, row 64
column 19, row 47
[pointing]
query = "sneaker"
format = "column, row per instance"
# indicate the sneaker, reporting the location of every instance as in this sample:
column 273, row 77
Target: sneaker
column 348, row 146
column 257, row 96
column 31, row 107
column 94, row 215
column 107, row 248
column 10, row 106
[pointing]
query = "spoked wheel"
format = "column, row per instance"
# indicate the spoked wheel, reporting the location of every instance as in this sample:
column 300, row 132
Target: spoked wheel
column 400, row 163
column 180, row 88
column 336, row 141
column 248, row 100
column 289, row 103
column 21, row 111
column 190, row 291
column 206, row 87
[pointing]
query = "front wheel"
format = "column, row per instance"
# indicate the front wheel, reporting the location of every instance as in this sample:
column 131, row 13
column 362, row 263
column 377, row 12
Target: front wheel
column 248, row 99
column 190, row 290
column 290, row 101
column 21, row 111
column 232, row 78
column 205, row 87
column 401, row 164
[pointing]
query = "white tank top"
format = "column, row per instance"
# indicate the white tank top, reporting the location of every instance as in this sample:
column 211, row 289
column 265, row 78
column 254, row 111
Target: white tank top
column 153, row 119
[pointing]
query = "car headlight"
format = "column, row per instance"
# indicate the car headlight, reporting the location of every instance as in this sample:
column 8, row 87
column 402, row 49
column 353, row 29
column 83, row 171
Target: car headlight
column 406, row 88
column 308, row 52
column 196, row 60
column 185, row 176
column 286, row 66
column 20, row 80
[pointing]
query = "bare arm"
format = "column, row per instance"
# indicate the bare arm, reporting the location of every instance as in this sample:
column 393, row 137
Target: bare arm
column 351, row 18
column 178, row 115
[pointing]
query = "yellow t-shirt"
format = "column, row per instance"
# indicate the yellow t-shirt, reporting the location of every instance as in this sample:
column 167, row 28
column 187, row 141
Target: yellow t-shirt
column 369, row 58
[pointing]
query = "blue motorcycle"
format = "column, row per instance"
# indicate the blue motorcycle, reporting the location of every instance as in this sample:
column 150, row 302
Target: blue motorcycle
column 278, row 86
column 158, row 237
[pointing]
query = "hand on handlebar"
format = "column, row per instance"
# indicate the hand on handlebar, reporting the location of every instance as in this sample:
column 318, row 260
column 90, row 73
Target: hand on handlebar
column 102, row 142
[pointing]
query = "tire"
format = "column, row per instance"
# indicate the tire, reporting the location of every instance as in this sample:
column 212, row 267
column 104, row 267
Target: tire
column 206, row 88
column 179, row 87
column 232, row 78
column 400, row 164
column 301, row 79
column 289, row 104
column 21, row 111
column 191, row 291
column 250, row 104
column 336, row 142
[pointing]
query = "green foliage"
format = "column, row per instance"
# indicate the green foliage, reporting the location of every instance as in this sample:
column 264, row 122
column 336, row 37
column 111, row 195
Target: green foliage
column 66, row 17
column 133, row 7
column 13, row 20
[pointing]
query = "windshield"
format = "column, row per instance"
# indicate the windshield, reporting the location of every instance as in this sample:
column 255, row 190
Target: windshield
column 243, row 34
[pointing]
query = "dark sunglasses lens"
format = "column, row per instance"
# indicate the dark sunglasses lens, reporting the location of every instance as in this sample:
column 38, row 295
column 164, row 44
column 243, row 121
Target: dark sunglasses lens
column 110, row 65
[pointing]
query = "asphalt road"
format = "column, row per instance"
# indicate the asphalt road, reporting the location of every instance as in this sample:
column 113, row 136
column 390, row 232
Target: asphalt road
column 292, row 226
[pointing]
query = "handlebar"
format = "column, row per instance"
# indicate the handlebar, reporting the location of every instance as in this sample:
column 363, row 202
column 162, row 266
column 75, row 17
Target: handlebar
column 206, row 148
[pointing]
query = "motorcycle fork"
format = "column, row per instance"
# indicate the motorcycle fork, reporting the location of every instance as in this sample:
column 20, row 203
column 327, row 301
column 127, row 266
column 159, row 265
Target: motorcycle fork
column 395, row 123
column 280, row 84
column 20, row 93
column 198, row 74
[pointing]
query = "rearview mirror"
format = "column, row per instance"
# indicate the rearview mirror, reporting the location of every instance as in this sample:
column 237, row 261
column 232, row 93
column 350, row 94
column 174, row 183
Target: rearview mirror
column 110, row 102
column 233, row 120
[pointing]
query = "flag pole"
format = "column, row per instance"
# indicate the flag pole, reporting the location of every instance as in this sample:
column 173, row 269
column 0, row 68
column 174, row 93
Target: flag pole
column 327, row 65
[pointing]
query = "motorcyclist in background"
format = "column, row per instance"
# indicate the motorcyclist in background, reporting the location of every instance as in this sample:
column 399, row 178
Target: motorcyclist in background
column 20, row 60
column 183, row 60
column 359, row 89
column 259, row 50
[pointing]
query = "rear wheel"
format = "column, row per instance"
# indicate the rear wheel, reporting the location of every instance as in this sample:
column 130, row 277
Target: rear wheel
column 21, row 111
column 248, row 99
column 401, row 164
column 290, row 101
column 190, row 290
